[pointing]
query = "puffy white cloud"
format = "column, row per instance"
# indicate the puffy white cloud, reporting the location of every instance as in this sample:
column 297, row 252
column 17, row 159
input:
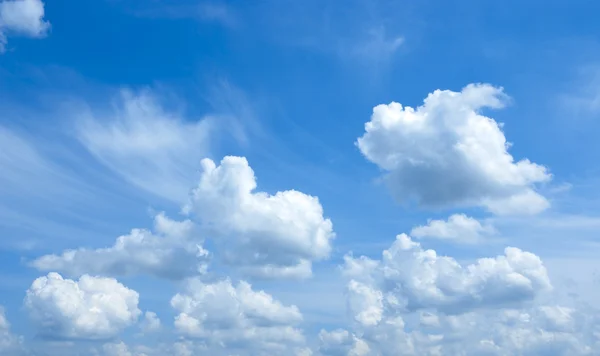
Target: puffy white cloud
column 458, row 228
column 414, row 302
column 342, row 343
column 264, row 235
column 235, row 317
column 485, row 332
column 151, row 147
column 173, row 251
column 413, row 278
column 22, row 18
column 10, row 344
column 90, row 308
column 151, row 322
column 446, row 153
column 116, row 349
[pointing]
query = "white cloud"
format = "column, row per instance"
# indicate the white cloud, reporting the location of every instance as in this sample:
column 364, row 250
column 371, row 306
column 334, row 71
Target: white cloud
column 116, row 349
column 151, row 322
column 524, row 331
column 341, row 343
column 173, row 251
column 90, row 308
column 22, row 18
column 151, row 147
column 10, row 344
column 414, row 302
column 458, row 228
column 415, row 279
column 446, row 153
column 236, row 317
column 265, row 235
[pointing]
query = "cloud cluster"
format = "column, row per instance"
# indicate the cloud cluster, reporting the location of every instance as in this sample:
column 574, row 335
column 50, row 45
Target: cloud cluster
column 89, row 308
column 411, row 301
column 414, row 302
column 541, row 330
column 270, row 236
column 22, row 18
column 445, row 153
column 415, row 278
column 173, row 251
column 236, row 317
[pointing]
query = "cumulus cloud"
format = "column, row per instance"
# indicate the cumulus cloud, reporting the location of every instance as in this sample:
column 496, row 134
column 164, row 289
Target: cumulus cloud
column 414, row 302
column 151, row 147
column 446, row 153
column 236, row 317
column 525, row 331
column 341, row 343
column 90, row 308
column 265, row 235
column 116, row 349
column 151, row 322
column 412, row 278
column 458, row 228
column 10, row 344
column 172, row 251
column 22, row 18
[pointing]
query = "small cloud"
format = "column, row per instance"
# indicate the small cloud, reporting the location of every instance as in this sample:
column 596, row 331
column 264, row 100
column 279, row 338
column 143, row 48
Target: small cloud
column 378, row 46
column 22, row 18
column 216, row 12
column 458, row 228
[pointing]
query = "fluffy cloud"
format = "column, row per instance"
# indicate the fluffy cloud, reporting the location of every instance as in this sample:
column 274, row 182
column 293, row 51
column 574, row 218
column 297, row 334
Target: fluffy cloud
column 409, row 277
column 458, row 228
column 236, row 317
column 116, row 349
column 9, row 343
column 151, row 322
column 90, row 308
column 342, row 343
column 153, row 148
column 414, row 302
column 446, row 153
column 265, row 235
column 22, row 18
column 173, row 251
column 526, row 331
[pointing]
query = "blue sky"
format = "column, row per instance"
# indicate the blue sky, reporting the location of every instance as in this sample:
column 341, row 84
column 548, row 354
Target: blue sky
column 108, row 109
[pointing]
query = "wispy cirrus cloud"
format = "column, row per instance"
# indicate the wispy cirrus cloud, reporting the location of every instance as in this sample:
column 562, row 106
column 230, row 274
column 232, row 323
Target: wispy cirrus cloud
column 218, row 12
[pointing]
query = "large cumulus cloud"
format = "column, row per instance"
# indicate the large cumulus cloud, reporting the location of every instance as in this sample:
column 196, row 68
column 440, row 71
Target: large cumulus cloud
column 272, row 236
column 89, row 308
column 447, row 153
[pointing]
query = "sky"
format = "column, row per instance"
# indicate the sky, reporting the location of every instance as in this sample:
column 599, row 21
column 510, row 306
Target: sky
column 283, row 177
